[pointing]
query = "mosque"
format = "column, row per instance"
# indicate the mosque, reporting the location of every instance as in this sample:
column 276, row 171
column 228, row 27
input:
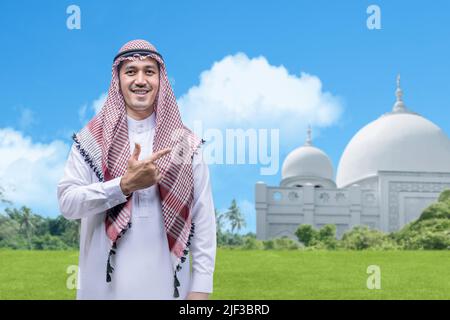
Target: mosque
column 390, row 171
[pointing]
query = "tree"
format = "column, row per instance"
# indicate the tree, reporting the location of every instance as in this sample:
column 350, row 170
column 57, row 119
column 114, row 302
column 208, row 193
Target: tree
column 362, row 237
column 9, row 232
column 24, row 217
column 445, row 196
column 219, row 221
column 431, row 231
column 235, row 217
column 307, row 235
column 327, row 233
column 71, row 234
column 26, row 224
column 327, row 236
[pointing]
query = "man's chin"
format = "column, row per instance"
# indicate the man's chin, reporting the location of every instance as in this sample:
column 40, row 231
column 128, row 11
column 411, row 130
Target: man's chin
column 141, row 108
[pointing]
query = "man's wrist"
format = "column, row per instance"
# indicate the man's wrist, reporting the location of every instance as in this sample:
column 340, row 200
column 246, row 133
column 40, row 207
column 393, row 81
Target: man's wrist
column 125, row 190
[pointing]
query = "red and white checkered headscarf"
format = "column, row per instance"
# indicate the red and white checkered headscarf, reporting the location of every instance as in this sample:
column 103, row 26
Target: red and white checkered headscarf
column 105, row 145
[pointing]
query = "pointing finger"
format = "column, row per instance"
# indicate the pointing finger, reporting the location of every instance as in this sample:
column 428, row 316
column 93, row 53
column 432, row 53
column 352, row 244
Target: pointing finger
column 158, row 154
column 136, row 151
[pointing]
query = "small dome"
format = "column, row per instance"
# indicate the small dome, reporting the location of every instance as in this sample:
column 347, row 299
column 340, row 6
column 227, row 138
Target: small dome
column 307, row 161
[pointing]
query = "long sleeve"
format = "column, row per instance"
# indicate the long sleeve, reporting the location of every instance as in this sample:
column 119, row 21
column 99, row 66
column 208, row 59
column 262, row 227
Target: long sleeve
column 203, row 244
column 79, row 196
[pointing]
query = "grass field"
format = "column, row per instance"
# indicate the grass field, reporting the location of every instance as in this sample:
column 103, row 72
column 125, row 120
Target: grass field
column 260, row 274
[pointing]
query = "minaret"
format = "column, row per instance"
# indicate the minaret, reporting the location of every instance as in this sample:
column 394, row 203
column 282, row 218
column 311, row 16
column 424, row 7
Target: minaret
column 399, row 106
column 308, row 141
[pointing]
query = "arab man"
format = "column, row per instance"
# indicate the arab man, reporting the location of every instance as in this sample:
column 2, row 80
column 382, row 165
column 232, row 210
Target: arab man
column 136, row 179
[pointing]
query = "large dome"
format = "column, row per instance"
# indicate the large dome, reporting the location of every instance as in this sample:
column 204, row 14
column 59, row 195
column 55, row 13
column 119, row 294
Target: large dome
column 307, row 161
column 397, row 141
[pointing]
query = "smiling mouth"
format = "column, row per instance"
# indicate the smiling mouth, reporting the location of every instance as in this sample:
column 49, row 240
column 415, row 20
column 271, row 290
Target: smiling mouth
column 140, row 92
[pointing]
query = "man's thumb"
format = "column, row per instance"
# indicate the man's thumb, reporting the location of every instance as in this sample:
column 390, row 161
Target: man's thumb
column 136, row 151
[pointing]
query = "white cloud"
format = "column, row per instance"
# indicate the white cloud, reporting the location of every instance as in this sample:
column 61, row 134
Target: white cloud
column 29, row 171
column 86, row 112
column 82, row 114
column 250, row 93
column 99, row 102
column 27, row 118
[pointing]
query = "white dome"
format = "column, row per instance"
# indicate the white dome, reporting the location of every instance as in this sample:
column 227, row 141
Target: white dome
column 307, row 161
column 397, row 141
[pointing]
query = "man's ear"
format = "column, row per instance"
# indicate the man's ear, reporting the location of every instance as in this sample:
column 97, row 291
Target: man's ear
column 118, row 76
column 119, row 66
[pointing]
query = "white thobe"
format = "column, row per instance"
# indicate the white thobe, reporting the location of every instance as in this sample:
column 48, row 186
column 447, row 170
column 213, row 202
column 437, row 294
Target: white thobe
column 143, row 267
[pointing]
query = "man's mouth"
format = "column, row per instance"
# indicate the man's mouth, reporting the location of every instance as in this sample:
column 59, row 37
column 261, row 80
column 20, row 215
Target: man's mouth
column 140, row 92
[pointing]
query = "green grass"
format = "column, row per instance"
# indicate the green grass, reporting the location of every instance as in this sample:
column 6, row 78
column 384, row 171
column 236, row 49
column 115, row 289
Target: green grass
column 331, row 274
column 35, row 274
column 243, row 274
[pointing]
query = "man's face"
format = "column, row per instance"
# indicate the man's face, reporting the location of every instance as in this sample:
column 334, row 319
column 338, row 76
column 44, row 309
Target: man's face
column 139, row 83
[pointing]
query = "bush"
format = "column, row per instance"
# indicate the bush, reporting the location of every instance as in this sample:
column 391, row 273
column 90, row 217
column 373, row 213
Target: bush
column 281, row 244
column 306, row 234
column 445, row 196
column 8, row 228
column 229, row 239
column 48, row 242
column 15, row 242
column 251, row 243
column 440, row 210
column 361, row 237
column 269, row 244
column 431, row 231
column 327, row 233
column 327, row 237
column 435, row 241
column 432, row 234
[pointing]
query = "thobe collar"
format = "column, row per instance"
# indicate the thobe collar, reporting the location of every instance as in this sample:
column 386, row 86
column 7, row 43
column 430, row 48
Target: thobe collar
column 139, row 126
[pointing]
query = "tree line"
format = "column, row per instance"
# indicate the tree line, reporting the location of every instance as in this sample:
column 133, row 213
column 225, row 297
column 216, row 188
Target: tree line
column 23, row 229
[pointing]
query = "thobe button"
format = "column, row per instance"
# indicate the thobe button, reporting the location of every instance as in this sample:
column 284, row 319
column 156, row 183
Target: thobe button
column 143, row 202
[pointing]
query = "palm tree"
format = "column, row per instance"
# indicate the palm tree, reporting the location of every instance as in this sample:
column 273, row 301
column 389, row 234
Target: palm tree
column 219, row 221
column 25, row 222
column 235, row 217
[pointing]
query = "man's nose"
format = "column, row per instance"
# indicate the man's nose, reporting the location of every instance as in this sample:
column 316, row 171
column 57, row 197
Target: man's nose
column 140, row 78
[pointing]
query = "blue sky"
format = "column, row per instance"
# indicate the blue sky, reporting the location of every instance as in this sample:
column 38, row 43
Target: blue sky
column 50, row 74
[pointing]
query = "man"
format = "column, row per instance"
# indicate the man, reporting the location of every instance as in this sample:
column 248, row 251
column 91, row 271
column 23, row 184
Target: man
column 136, row 179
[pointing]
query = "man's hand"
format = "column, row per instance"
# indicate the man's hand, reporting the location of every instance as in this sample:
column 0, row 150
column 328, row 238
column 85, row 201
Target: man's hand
column 197, row 296
column 141, row 174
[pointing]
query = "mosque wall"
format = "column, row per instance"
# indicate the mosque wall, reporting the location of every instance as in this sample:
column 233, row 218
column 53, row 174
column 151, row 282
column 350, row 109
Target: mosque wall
column 280, row 210
column 404, row 195
column 386, row 202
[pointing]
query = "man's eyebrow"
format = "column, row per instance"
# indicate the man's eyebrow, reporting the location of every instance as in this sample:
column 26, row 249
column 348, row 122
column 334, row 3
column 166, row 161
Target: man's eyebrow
column 149, row 66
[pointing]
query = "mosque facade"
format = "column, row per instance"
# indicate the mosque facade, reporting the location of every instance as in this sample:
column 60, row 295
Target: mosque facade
column 390, row 171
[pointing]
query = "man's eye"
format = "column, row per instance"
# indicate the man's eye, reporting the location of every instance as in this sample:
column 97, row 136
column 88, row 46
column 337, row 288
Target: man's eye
column 130, row 73
column 150, row 72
